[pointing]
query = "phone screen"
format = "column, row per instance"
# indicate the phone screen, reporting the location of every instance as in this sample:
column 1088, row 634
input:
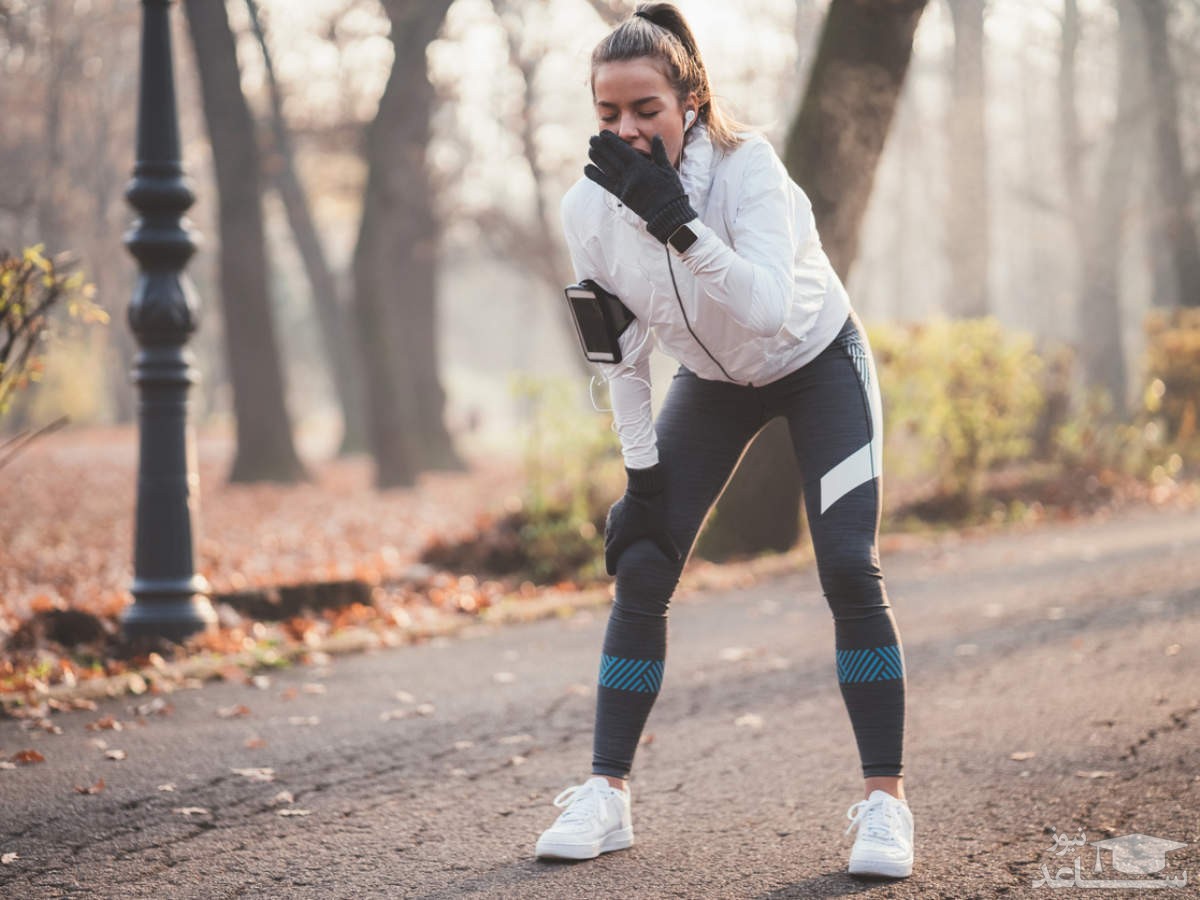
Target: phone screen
column 589, row 321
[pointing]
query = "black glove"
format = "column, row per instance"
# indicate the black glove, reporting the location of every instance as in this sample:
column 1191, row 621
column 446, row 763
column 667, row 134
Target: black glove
column 640, row 514
column 650, row 187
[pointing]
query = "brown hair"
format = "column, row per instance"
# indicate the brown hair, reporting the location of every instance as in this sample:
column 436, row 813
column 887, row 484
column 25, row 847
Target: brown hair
column 658, row 31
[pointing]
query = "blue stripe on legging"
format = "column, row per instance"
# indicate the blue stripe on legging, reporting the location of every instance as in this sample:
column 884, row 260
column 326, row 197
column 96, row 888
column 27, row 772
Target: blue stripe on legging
column 631, row 674
column 870, row 664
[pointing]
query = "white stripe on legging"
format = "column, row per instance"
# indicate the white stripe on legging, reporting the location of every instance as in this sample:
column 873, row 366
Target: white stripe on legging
column 866, row 462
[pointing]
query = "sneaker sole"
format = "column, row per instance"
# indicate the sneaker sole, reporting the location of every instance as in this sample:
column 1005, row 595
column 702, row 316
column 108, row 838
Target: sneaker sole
column 881, row 868
column 617, row 840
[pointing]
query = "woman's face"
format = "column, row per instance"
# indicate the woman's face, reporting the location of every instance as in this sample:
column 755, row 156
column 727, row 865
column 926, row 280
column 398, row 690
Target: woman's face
column 635, row 101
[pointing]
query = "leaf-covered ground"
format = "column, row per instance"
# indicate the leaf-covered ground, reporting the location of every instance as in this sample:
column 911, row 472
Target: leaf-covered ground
column 295, row 566
column 66, row 542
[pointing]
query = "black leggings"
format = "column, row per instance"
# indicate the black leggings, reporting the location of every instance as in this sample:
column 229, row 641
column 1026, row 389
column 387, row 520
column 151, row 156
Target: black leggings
column 832, row 406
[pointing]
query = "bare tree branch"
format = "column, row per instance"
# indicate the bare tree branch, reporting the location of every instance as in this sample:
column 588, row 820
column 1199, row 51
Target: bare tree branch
column 611, row 11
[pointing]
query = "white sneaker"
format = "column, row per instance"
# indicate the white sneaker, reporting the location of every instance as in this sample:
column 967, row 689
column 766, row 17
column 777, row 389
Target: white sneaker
column 884, row 845
column 595, row 820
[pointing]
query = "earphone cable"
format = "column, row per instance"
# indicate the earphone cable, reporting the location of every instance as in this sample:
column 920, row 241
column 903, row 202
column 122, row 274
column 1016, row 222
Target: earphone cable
column 683, row 312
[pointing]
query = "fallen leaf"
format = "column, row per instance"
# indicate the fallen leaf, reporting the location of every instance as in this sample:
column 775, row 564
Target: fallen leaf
column 108, row 723
column 254, row 743
column 191, row 810
column 5, row 764
column 389, row 715
column 156, row 707
column 231, row 712
column 26, row 757
column 1022, row 755
column 9, row 858
column 1095, row 773
column 283, row 797
column 136, row 684
column 293, row 812
column 99, row 743
column 303, row 720
column 256, row 774
column 167, row 788
column 404, row 697
column 425, row 709
column 733, row 654
column 262, row 682
column 463, row 745
column 93, row 789
column 749, row 720
column 517, row 760
column 118, row 755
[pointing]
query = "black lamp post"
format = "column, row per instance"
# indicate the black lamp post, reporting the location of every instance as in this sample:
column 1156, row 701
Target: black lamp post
column 169, row 596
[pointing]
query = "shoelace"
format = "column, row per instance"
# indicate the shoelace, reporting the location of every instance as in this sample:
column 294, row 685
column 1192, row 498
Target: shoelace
column 878, row 821
column 575, row 803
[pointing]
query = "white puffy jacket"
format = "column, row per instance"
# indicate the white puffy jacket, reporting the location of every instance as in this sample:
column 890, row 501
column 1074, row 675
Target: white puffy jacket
column 757, row 288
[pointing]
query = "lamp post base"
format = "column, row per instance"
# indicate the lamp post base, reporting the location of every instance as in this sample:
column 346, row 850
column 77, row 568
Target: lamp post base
column 170, row 608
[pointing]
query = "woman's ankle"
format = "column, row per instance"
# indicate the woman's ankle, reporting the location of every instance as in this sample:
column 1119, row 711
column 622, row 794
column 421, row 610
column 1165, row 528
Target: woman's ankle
column 619, row 783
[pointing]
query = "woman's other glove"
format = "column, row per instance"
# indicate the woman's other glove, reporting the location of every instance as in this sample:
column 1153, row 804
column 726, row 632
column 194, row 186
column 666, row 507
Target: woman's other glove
column 650, row 187
column 640, row 514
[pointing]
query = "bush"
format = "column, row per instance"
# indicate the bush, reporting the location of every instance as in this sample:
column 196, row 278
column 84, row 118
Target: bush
column 961, row 397
column 32, row 287
column 573, row 471
column 1173, row 379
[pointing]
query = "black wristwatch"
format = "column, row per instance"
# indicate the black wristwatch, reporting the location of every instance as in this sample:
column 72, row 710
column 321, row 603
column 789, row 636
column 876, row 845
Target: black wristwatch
column 683, row 237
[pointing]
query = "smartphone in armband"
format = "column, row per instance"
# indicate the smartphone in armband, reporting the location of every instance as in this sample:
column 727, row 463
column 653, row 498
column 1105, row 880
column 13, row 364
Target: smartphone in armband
column 600, row 319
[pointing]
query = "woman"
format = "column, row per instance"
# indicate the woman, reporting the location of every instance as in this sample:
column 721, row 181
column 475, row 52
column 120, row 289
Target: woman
column 695, row 225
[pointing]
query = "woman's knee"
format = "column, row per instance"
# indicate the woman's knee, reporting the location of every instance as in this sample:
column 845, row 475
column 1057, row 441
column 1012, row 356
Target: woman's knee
column 646, row 579
column 852, row 581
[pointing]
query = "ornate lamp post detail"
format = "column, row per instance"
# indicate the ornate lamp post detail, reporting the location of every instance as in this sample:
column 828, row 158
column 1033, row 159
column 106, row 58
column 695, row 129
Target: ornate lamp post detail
column 169, row 596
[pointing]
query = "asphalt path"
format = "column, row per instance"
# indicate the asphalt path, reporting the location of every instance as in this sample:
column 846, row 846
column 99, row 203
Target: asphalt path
column 428, row 771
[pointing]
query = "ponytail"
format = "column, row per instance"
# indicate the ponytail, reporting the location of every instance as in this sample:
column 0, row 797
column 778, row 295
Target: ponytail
column 659, row 32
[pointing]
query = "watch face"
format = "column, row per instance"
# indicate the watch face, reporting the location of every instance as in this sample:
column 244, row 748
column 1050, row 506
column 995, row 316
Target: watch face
column 682, row 238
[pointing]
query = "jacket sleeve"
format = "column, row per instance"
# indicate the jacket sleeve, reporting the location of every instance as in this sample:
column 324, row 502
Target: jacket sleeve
column 753, row 279
column 628, row 380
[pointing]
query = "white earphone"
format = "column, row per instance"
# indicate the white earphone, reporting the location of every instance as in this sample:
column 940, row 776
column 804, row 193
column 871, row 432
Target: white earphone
column 688, row 118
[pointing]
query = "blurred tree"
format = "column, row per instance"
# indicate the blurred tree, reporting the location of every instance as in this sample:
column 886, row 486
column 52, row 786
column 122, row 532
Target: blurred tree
column 968, row 212
column 395, row 263
column 833, row 149
column 1172, row 223
column 67, row 91
column 536, row 244
column 337, row 336
column 612, row 11
column 1099, row 220
column 265, row 451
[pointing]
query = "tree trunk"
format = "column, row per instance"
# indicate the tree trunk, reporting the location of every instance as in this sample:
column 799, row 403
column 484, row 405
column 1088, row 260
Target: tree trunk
column 1172, row 222
column 967, row 213
column 336, row 335
column 1099, row 308
column 540, row 249
column 833, row 148
column 395, row 264
column 1072, row 143
column 836, row 140
column 265, row 451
